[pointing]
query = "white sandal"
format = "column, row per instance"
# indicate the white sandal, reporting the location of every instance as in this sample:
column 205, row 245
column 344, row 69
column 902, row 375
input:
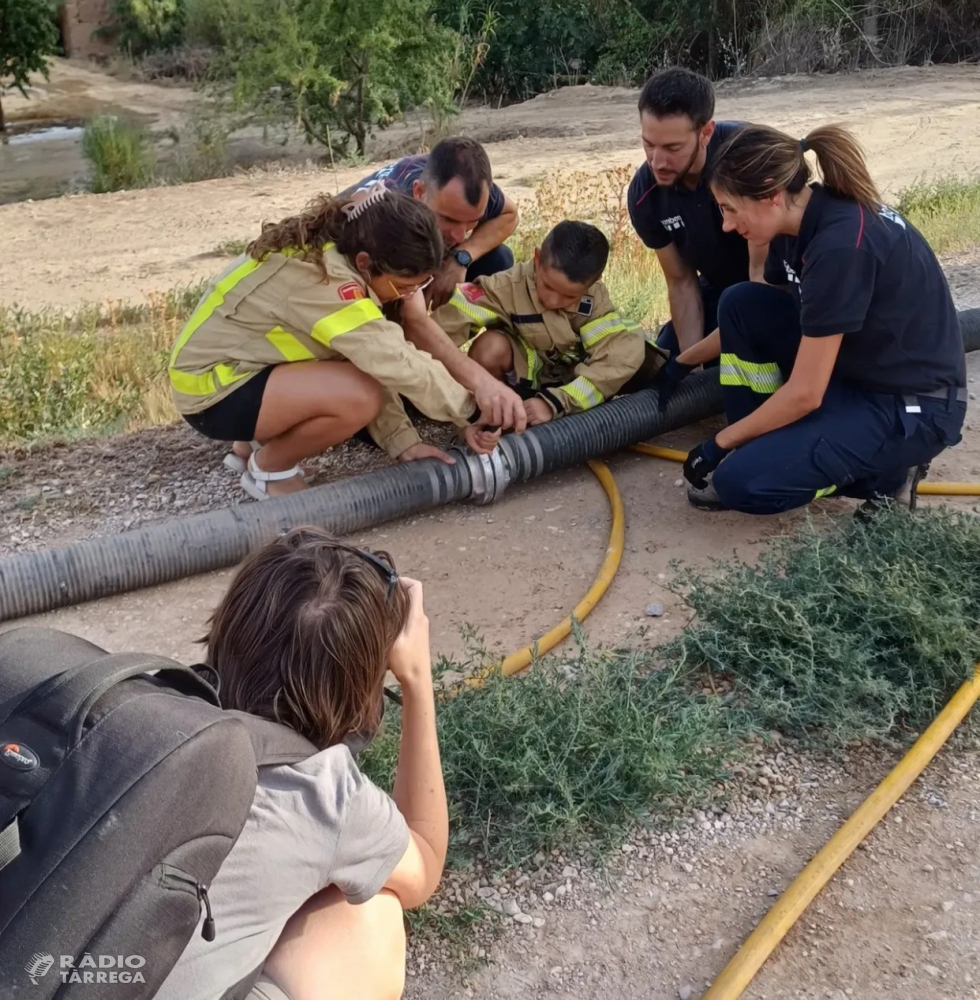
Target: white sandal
column 254, row 480
column 235, row 462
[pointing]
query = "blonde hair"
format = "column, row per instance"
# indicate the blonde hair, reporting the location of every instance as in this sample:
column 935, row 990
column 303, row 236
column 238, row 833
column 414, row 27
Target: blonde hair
column 757, row 161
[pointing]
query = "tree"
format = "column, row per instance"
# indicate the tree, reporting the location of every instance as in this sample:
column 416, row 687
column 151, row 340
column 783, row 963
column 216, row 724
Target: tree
column 338, row 68
column 27, row 37
column 143, row 26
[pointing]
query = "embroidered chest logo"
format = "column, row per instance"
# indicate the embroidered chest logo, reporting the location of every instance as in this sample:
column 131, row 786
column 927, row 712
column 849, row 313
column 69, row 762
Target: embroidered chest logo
column 891, row 215
column 791, row 275
column 674, row 222
column 472, row 292
column 350, row 291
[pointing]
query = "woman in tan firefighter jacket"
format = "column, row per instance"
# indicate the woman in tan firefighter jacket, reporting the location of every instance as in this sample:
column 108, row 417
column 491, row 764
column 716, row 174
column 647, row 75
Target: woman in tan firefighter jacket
column 289, row 347
column 551, row 329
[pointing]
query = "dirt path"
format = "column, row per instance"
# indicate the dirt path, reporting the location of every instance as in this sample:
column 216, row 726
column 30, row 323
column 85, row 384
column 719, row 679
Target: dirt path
column 914, row 123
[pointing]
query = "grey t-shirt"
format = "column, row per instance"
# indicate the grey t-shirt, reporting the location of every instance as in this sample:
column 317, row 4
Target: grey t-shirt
column 312, row 824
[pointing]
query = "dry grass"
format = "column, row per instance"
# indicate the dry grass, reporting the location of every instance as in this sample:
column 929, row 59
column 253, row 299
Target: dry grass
column 102, row 369
column 633, row 275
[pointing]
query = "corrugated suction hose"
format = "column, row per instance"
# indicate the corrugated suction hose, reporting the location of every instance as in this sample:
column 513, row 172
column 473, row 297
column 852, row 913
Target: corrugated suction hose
column 39, row 581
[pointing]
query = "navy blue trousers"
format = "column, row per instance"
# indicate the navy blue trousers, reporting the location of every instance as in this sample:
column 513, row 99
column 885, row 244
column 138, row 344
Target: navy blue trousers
column 857, row 444
column 499, row 259
column 667, row 338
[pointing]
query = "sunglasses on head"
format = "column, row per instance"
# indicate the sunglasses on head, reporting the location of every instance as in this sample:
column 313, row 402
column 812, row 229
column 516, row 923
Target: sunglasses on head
column 387, row 571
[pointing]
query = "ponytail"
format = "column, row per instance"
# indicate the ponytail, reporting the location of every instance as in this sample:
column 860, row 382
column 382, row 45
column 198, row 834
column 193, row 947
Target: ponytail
column 842, row 165
column 757, row 161
column 398, row 233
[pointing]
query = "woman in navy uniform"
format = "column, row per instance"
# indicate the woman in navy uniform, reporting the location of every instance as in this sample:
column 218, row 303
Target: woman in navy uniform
column 850, row 378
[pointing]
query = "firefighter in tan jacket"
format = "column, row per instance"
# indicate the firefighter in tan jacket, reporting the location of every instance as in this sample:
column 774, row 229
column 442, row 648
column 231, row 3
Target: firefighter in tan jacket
column 551, row 330
column 291, row 349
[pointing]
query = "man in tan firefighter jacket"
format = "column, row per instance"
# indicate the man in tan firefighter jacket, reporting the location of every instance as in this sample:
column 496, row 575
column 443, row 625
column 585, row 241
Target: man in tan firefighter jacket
column 552, row 331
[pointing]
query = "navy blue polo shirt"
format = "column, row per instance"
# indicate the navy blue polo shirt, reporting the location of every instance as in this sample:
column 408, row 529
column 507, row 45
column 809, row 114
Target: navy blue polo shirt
column 872, row 277
column 691, row 220
column 402, row 174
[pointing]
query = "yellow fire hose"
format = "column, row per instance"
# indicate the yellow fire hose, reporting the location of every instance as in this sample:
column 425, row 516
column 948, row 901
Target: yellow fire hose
column 758, row 946
column 740, row 971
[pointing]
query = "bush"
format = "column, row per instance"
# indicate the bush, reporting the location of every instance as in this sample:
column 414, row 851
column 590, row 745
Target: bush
column 120, row 154
column 569, row 754
column 851, row 632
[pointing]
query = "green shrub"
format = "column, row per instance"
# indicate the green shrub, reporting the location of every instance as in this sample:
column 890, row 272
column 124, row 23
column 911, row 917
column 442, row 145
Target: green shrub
column 851, row 632
column 120, row 154
column 569, row 754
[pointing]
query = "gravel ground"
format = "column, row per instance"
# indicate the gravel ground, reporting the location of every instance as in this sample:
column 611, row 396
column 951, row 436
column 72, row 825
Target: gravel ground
column 667, row 910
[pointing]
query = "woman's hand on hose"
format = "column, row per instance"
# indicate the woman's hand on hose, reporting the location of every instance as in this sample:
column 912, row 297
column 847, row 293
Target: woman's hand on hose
column 499, row 405
column 668, row 378
column 702, row 461
column 479, row 439
column 421, row 450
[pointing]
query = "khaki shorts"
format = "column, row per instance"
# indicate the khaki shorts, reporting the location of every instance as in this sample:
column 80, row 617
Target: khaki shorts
column 266, row 989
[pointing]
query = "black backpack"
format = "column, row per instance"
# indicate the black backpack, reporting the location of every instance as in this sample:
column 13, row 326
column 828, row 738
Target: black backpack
column 121, row 793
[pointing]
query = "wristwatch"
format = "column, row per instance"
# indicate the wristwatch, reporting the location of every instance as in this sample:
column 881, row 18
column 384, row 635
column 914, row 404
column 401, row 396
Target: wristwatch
column 463, row 257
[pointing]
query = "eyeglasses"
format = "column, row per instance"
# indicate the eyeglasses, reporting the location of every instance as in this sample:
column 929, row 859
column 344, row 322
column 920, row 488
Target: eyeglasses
column 407, row 293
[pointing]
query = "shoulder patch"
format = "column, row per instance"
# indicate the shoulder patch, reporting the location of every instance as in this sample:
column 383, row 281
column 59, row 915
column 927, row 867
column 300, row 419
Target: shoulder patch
column 472, row 291
column 586, row 305
column 350, row 291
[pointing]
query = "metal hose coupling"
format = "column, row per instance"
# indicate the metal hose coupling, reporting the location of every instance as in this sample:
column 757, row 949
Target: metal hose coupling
column 489, row 474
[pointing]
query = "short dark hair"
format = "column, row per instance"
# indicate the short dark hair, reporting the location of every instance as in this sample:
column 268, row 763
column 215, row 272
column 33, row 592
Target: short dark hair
column 578, row 250
column 463, row 158
column 678, row 92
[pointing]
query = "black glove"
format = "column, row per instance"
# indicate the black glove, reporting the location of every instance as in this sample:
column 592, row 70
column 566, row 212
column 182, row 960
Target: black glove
column 702, row 461
column 668, row 378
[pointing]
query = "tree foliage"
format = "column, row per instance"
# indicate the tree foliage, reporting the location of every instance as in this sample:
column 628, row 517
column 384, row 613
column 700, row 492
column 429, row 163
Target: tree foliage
column 143, row 26
column 27, row 38
column 338, row 68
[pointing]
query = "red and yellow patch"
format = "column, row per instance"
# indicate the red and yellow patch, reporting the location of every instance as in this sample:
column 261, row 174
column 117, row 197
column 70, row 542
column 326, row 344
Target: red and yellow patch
column 471, row 291
column 350, row 291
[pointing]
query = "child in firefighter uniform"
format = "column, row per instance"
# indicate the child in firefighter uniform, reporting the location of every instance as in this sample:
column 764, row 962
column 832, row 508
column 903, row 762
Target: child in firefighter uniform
column 550, row 328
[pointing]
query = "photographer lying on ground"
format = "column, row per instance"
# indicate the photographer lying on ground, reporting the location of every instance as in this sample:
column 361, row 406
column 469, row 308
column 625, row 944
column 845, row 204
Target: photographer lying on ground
column 313, row 891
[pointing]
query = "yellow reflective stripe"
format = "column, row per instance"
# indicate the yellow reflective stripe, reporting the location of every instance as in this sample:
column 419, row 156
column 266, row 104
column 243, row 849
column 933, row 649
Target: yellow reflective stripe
column 583, row 392
column 824, row 492
column 214, row 300
column 532, row 358
column 288, row 345
column 762, row 377
column 192, row 385
column 601, row 328
column 344, row 320
column 474, row 312
column 225, row 375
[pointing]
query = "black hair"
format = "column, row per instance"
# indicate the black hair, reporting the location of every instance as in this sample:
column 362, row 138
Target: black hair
column 463, row 158
column 678, row 91
column 578, row 250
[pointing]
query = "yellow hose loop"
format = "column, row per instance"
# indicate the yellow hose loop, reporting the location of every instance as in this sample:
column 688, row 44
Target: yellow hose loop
column 759, row 945
column 655, row 451
column 925, row 489
column 522, row 658
column 949, row 489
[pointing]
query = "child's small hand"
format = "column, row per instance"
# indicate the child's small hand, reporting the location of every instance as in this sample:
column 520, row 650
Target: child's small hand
column 480, row 440
column 538, row 411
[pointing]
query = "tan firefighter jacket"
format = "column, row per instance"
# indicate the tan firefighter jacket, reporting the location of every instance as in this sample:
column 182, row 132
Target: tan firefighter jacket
column 581, row 358
column 280, row 309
